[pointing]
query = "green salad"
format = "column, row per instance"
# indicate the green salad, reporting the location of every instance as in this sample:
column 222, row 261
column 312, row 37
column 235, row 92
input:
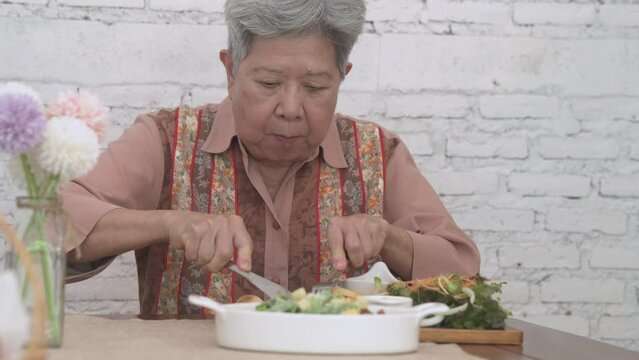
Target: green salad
column 484, row 314
column 336, row 301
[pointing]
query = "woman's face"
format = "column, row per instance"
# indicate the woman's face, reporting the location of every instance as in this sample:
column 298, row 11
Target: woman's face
column 284, row 95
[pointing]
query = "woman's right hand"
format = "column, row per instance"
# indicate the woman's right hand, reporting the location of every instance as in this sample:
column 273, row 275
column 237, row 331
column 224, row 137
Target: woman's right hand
column 209, row 240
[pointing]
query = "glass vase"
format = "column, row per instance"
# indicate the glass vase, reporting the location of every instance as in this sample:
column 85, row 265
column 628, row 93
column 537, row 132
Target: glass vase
column 42, row 225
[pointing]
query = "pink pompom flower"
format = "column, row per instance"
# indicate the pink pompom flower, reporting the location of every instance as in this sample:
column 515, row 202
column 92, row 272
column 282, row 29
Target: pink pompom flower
column 82, row 105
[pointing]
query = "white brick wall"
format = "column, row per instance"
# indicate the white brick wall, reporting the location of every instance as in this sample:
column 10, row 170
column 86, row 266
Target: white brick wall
column 619, row 15
column 580, row 290
column 586, row 221
column 606, row 109
column 426, row 105
column 544, row 257
column 523, row 115
column 615, row 258
column 623, row 186
column 487, row 147
column 418, row 143
column 39, row 2
column 518, row 106
column 91, row 39
column 106, row 3
column 619, row 327
column 402, row 10
column 463, row 183
column 509, row 64
column 555, row 14
column 468, row 12
column 496, row 219
column 517, row 292
column 549, row 184
column 186, row 5
column 573, row 148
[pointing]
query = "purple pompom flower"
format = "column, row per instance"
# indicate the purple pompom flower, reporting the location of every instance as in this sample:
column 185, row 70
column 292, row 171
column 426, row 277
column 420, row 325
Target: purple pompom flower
column 22, row 123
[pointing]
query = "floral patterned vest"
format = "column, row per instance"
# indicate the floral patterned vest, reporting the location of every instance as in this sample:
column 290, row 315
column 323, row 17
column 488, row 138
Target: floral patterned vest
column 195, row 180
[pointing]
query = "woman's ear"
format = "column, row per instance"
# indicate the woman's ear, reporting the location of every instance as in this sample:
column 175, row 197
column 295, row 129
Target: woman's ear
column 348, row 68
column 227, row 61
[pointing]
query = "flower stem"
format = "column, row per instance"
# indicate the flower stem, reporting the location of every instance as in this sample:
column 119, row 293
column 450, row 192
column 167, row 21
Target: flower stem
column 32, row 187
column 40, row 248
column 48, row 188
column 52, row 310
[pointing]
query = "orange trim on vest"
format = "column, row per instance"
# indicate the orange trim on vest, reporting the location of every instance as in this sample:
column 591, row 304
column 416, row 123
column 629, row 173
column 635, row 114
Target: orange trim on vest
column 223, row 196
column 382, row 149
column 237, row 212
column 192, row 206
column 329, row 205
column 359, row 167
column 317, row 224
column 204, row 311
column 166, row 257
column 371, row 162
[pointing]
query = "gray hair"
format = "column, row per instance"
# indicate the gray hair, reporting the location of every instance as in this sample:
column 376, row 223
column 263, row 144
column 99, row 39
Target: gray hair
column 339, row 21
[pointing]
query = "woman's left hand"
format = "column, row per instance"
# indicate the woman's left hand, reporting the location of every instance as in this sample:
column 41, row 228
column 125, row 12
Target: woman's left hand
column 357, row 238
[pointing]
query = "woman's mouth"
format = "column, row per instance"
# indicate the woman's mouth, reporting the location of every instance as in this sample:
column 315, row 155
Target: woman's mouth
column 286, row 139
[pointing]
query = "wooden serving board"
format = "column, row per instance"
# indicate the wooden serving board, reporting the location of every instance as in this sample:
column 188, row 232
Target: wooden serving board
column 509, row 336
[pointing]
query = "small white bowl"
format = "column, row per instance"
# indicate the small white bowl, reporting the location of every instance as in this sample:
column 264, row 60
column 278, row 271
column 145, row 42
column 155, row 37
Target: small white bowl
column 365, row 284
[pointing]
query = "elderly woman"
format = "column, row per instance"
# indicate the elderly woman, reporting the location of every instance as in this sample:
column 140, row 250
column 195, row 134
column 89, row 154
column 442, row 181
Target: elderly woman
column 270, row 178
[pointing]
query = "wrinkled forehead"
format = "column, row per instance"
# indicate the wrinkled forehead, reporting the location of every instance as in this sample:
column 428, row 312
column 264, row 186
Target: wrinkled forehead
column 310, row 55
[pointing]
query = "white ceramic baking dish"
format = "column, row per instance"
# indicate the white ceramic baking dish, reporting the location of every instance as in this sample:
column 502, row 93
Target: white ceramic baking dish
column 240, row 326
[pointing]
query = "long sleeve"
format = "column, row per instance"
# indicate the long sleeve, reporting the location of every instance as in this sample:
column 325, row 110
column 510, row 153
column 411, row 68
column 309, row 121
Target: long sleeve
column 129, row 174
column 439, row 245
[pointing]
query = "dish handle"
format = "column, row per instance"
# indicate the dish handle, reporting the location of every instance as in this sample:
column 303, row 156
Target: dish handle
column 452, row 311
column 434, row 310
column 207, row 303
column 461, row 308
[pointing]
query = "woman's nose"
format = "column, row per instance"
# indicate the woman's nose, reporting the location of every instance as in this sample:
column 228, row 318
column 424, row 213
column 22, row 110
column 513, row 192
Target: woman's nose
column 290, row 105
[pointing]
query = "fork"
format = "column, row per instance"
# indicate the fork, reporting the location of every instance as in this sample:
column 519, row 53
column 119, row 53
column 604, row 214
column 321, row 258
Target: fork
column 326, row 285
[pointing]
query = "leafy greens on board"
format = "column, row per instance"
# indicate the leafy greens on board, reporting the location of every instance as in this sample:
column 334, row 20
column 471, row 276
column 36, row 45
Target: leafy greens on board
column 484, row 314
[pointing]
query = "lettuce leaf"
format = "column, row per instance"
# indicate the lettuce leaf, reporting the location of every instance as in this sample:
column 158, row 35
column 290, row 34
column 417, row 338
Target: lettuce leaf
column 485, row 314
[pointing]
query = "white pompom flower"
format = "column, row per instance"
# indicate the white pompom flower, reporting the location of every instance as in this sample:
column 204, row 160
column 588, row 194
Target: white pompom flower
column 20, row 89
column 69, row 149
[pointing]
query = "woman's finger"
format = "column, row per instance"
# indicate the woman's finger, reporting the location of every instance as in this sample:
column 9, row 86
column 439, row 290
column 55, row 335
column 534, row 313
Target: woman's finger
column 207, row 247
column 336, row 245
column 223, row 250
column 353, row 246
column 366, row 239
column 191, row 247
column 244, row 245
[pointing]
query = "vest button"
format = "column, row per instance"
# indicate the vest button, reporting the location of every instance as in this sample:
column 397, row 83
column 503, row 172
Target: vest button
column 276, row 225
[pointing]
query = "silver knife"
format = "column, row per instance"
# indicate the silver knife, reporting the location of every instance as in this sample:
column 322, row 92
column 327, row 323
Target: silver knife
column 269, row 288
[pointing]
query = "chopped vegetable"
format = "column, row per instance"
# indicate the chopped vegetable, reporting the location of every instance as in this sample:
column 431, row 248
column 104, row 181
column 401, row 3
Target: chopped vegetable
column 336, row 301
column 249, row 299
column 484, row 313
column 378, row 284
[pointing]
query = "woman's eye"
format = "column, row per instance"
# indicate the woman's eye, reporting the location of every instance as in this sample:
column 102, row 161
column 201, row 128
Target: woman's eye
column 314, row 88
column 269, row 84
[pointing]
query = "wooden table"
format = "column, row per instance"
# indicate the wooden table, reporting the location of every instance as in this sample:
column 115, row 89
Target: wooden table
column 98, row 338
column 545, row 343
